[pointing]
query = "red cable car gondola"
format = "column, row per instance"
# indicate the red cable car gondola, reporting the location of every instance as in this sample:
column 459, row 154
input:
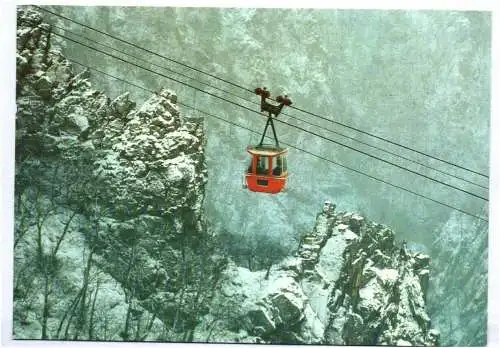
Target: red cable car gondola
column 268, row 168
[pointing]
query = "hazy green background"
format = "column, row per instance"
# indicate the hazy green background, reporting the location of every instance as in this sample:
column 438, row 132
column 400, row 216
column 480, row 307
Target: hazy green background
column 419, row 78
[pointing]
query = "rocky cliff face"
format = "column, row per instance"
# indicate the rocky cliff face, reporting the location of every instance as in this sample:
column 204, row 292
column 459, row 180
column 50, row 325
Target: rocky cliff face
column 461, row 302
column 129, row 181
column 111, row 241
column 349, row 283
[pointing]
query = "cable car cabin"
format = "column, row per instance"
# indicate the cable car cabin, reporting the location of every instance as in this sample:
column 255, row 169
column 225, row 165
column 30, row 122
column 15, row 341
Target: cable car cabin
column 268, row 170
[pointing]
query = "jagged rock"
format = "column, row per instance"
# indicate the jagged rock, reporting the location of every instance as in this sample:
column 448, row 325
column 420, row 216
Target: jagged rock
column 76, row 123
column 355, row 223
column 421, row 261
column 43, row 86
column 329, row 208
column 423, row 275
column 341, row 288
column 121, row 105
column 355, row 330
column 342, row 227
column 261, row 321
column 433, row 337
column 312, row 329
column 60, row 70
column 21, row 64
column 173, row 99
column 139, row 175
column 288, row 308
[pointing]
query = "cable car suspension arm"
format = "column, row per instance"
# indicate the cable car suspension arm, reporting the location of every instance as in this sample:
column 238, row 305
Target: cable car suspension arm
column 272, row 109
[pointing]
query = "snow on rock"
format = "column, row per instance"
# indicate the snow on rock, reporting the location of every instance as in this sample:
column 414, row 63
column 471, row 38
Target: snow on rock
column 348, row 284
column 43, row 86
column 134, row 176
column 379, row 290
column 155, row 160
column 269, row 308
column 122, row 105
column 142, row 217
column 78, row 123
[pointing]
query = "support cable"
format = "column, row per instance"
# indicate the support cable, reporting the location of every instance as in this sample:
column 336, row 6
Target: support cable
column 290, row 125
column 283, row 113
column 251, row 91
column 288, row 144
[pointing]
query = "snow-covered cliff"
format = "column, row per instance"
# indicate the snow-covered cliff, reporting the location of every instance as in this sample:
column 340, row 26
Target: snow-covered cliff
column 109, row 204
column 111, row 241
column 349, row 283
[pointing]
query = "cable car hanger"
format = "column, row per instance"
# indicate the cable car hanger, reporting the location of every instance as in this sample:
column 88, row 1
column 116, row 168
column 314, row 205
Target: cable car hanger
column 272, row 109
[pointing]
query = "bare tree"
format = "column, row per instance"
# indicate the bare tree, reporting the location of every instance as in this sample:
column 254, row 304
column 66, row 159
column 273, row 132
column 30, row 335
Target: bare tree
column 48, row 264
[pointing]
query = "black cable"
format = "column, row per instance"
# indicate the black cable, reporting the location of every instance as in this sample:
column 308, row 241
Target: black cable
column 352, row 169
column 391, row 153
column 148, row 62
column 391, row 142
column 292, row 117
column 141, row 48
column 249, row 90
column 290, row 145
column 385, row 161
column 112, row 76
column 290, row 125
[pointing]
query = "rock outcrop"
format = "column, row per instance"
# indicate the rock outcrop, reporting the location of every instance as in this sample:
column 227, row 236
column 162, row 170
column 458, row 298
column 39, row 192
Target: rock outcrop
column 350, row 283
column 132, row 177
